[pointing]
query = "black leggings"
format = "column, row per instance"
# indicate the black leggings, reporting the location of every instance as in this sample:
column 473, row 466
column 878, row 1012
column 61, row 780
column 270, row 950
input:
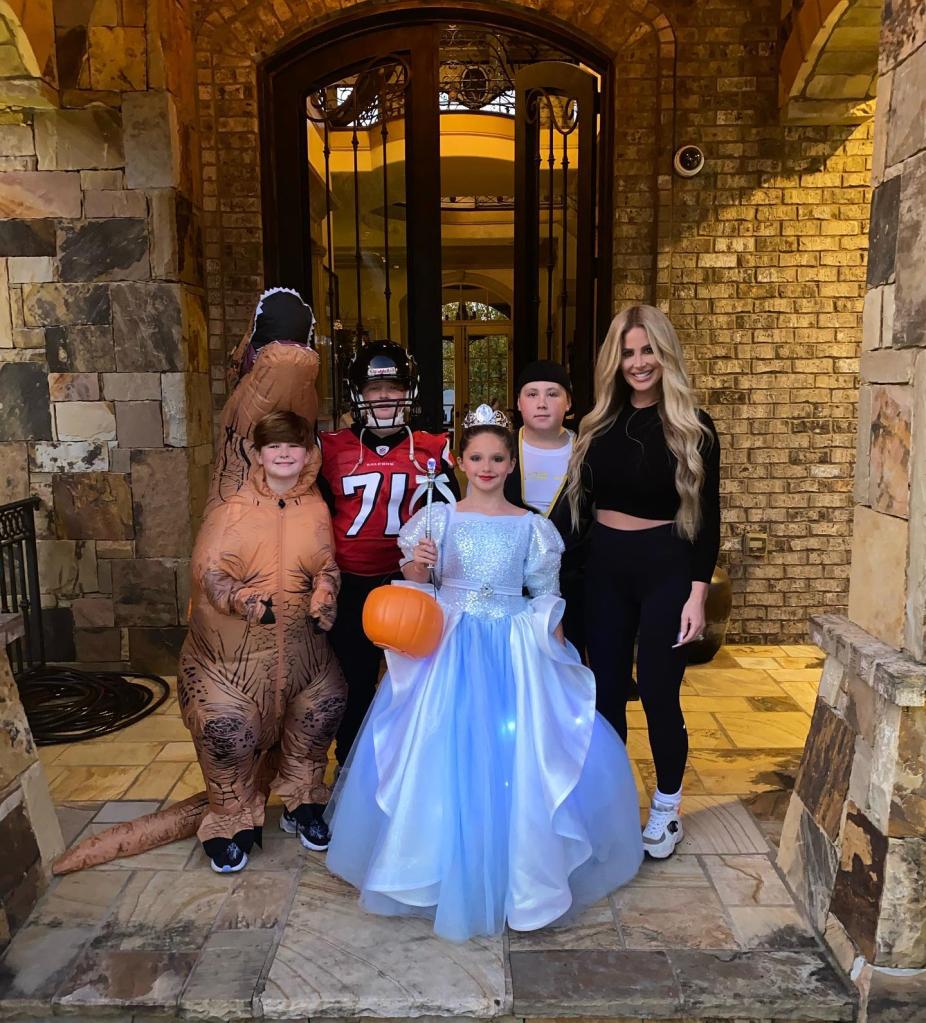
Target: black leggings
column 637, row 582
column 360, row 659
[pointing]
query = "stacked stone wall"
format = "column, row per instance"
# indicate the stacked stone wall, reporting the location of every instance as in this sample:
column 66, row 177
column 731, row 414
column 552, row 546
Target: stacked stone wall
column 853, row 842
column 105, row 411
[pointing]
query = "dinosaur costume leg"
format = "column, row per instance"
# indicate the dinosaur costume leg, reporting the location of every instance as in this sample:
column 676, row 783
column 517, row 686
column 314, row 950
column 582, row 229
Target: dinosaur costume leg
column 312, row 717
column 226, row 731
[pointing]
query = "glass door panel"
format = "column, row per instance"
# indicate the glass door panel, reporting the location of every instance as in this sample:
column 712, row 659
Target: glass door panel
column 357, row 203
column 488, row 359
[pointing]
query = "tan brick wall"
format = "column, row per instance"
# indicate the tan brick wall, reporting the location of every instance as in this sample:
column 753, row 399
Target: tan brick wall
column 768, row 256
column 760, row 261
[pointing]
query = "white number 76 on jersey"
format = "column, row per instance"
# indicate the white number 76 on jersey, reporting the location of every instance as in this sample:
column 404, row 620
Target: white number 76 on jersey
column 369, row 485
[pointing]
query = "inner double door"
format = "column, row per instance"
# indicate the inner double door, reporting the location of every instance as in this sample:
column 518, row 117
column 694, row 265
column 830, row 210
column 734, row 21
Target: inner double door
column 377, row 184
column 477, row 369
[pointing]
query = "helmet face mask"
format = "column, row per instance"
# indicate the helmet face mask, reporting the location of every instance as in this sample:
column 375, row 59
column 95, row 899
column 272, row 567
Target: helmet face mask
column 388, row 363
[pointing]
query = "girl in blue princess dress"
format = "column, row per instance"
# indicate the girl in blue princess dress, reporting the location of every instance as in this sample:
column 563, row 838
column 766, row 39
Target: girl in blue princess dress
column 483, row 788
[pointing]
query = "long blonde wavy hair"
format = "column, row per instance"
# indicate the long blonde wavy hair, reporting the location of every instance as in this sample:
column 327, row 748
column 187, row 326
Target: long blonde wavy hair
column 684, row 431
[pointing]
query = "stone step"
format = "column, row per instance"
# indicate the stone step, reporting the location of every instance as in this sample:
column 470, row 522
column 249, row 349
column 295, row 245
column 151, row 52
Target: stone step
column 710, row 934
column 229, row 980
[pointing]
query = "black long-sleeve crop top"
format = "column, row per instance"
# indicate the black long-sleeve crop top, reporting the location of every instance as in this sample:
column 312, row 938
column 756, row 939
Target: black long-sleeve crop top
column 632, row 470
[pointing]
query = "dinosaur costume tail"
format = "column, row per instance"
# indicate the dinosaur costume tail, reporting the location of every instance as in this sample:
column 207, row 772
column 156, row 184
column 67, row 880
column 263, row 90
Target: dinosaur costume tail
column 133, row 837
column 170, row 824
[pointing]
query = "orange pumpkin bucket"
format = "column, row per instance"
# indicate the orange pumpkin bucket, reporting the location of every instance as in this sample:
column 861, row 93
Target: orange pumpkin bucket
column 404, row 619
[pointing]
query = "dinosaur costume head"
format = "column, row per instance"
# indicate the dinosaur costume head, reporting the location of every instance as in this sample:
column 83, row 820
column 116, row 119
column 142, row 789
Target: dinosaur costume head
column 273, row 369
column 281, row 317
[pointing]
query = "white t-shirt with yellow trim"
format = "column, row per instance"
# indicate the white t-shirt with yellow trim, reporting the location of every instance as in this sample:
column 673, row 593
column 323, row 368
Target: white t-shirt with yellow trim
column 543, row 473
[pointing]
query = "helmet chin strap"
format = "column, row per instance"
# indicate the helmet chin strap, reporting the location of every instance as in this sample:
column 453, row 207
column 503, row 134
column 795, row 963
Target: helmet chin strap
column 396, row 420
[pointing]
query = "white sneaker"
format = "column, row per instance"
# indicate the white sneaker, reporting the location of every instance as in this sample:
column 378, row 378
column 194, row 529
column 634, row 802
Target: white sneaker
column 663, row 831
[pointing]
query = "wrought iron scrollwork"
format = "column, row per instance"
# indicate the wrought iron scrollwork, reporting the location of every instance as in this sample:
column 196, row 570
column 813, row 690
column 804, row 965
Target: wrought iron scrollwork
column 374, row 94
column 550, row 109
column 555, row 115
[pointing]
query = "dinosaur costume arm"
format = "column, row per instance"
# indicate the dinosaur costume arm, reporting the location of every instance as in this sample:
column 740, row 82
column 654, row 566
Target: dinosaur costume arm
column 230, row 596
column 219, row 571
column 326, row 576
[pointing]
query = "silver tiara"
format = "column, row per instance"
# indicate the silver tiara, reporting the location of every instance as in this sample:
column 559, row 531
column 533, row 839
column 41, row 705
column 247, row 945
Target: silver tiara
column 485, row 415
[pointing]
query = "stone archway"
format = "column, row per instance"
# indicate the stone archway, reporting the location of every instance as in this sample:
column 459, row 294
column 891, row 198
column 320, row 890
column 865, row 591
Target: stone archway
column 228, row 52
column 28, row 74
column 829, row 62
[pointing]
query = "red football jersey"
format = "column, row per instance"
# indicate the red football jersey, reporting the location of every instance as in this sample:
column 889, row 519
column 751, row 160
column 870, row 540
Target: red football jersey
column 372, row 497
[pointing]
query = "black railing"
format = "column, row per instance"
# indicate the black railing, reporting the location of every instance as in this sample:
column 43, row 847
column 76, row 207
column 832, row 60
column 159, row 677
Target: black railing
column 19, row 582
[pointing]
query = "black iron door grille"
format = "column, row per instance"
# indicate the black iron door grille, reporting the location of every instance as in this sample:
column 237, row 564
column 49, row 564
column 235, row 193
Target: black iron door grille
column 19, row 582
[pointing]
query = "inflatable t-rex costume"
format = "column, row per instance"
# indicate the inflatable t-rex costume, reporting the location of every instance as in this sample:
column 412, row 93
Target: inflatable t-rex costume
column 246, row 686
column 262, row 701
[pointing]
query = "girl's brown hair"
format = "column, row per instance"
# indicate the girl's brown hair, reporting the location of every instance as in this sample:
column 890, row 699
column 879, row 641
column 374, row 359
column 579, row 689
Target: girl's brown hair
column 282, row 428
column 505, row 436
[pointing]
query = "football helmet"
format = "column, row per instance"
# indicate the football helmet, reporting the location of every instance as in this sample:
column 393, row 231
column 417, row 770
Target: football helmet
column 378, row 361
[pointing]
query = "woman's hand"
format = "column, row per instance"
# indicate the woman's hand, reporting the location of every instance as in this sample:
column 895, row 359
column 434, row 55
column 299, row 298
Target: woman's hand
column 560, row 635
column 692, row 622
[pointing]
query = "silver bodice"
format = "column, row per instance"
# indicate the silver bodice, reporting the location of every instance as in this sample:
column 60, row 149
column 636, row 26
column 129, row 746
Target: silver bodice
column 486, row 561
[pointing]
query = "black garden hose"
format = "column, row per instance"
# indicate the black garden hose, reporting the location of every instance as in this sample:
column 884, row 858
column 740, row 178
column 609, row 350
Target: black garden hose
column 70, row 705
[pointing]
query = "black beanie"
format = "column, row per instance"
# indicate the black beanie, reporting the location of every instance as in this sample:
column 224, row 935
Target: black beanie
column 544, row 369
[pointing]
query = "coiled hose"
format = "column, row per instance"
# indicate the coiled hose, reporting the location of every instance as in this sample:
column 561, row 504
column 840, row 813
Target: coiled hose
column 70, row 705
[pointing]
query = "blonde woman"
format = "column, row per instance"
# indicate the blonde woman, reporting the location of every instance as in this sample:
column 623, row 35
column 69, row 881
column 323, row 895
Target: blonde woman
column 648, row 460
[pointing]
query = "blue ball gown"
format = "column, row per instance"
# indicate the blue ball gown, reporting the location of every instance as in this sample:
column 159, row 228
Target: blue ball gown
column 483, row 787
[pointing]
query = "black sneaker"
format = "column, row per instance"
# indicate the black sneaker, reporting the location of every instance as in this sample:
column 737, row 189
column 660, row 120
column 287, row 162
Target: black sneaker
column 306, row 821
column 229, row 855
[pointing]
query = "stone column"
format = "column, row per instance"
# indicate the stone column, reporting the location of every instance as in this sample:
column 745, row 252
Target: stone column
column 30, row 835
column 105, row 403
column 854, row 842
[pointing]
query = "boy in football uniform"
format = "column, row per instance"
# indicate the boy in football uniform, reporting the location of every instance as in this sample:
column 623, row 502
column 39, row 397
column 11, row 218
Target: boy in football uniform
column 370, row 473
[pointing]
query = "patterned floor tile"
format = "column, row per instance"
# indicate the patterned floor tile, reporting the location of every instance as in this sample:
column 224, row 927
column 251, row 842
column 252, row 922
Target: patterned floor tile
column 118, row 810
column 716, row 824
column 183, row 752
column 156, row 781
column 162, row 910
column 647, row 920
column 796, row 674
column 92, row 782
column 761, row 730
column 778, row 928
column 731, row 682
column 112, row 978
column 602, row 985
column 593, row 929
column 746, row 880
column 104, row 754
column 336, row 960
column 774, row 985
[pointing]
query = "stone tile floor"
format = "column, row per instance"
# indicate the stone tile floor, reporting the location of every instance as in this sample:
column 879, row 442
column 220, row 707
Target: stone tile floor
column 712, row 933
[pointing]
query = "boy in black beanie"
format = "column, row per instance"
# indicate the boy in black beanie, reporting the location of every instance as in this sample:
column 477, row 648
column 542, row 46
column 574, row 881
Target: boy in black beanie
column 544, row 396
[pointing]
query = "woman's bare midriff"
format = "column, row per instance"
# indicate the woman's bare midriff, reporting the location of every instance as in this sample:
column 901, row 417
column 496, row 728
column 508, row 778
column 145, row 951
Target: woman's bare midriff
column 618, row 520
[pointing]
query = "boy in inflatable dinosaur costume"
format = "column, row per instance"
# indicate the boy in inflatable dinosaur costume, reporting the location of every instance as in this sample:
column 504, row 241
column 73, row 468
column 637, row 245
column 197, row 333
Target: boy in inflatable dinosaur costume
column 258, row 685
column 273, row 369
